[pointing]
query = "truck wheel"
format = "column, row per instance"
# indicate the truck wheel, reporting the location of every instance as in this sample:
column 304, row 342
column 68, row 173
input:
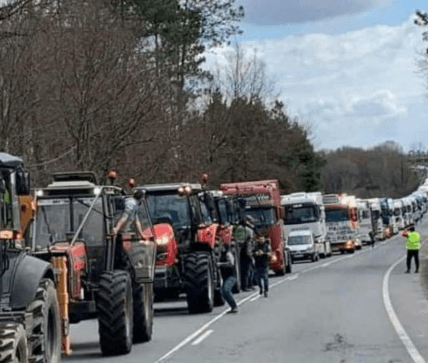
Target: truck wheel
column 45, row 338
column 199, row 282
column 143, row 312
column 13, row 343
column 237, row 288
column 115, row 313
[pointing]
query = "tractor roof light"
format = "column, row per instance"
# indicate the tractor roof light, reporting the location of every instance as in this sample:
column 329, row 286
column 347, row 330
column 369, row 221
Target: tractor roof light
column 97, row 190
column 188, row 189
column 132, row 183
column 181, row 190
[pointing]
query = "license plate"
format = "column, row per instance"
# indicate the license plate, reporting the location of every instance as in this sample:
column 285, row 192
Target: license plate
column 298, row 255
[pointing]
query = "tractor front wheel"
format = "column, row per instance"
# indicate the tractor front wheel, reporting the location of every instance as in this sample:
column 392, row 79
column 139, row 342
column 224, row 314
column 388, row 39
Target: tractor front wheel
column 115, row 313
column 199, row 282
column 45, row 335
column 143, row 312
column 13, row 343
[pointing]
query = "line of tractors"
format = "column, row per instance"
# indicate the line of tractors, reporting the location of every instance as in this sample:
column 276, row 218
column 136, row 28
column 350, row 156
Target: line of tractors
column 60, row 263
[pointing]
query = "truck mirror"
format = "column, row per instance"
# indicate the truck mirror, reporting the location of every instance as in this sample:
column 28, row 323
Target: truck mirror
column 281, row 213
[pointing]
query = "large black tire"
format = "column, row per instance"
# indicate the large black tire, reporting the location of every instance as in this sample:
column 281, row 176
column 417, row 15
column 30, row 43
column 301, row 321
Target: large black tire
column 143, row 312
column 115, row 313
column 237, row 288
column 199, row 282
column 13, row 343
column 45, row 338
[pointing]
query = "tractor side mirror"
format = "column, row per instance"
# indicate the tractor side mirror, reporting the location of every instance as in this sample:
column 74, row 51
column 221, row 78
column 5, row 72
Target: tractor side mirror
column 281, row 213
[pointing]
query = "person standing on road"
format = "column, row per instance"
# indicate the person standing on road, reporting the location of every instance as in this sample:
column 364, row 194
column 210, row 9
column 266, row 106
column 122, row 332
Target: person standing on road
column 372, row 239
column 413, row 245
column 247, row 265
column 227, row 269
column 261, row 255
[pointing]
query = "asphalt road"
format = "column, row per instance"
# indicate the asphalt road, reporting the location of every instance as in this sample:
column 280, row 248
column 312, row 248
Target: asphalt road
column 347, row 308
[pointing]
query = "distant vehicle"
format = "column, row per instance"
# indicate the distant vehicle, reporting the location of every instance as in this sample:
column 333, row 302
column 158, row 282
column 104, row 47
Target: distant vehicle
column 387, row 214
column 302, row 245
column 408, row 211
column 377, row 224
column 365, row 229
column 398, row 214
column 342, row 223
column 416, row 213
column 306, row 211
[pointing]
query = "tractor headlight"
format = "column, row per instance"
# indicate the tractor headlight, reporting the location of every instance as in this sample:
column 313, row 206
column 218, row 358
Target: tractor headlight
column 350, row 242
column 97, row 190
column 39, row 193
column 162, row 241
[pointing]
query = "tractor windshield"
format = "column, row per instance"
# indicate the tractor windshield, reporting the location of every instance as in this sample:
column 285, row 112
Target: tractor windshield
column 53, row 220
column 92, row 231
column 56, row 217
column 170, row 208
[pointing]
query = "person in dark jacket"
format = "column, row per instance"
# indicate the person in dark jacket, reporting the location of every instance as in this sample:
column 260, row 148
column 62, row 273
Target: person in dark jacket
column 247, row 265
column 229, row 279
column 261, row 255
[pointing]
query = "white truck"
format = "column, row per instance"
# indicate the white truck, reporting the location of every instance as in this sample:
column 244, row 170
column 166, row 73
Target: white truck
column 341, row 222
column 377, row 225
column 399, row 213
column 305, row 211
column 408, row 212
column 364, row 220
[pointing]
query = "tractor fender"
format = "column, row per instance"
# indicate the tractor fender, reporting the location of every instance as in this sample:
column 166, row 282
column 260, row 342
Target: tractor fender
column 27, row 276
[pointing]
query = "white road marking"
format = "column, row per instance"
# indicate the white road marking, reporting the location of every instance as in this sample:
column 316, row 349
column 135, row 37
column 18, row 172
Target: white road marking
column 219, row 316
column 411, row 349
column 256, row 297
column 202, row 337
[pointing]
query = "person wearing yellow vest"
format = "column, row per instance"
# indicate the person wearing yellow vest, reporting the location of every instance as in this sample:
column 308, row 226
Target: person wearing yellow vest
column 413, row 244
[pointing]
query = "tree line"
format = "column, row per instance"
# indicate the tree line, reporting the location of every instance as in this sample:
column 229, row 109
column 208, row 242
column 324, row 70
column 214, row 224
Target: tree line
column 112, row 84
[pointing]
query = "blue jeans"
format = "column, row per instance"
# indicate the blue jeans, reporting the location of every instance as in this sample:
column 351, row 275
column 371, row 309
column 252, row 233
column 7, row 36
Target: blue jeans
column 226, row 291
column 262, row 274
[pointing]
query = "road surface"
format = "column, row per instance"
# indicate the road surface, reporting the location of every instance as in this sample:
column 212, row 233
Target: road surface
column 347, row 308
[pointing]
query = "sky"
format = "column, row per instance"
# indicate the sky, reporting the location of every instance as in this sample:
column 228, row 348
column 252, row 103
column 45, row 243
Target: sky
column 346, row 68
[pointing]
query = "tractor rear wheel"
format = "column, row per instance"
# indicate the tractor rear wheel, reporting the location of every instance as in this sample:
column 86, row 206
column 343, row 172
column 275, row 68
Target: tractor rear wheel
column 199, row 282
column 46, row 333
column 143, row 312
column 13, row 343
column 115, row 313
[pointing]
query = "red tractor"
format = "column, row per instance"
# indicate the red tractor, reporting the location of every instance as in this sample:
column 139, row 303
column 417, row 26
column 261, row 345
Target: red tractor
column 99, row 275
column 189, row 247
column 263, row 202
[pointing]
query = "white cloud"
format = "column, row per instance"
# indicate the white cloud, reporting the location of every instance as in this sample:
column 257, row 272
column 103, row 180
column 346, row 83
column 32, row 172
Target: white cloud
column 358, row 88
column 268, row 12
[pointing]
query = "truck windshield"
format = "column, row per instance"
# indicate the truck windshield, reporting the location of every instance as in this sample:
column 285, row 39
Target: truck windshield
column 168, row 206
column 297, row 215
column 263, row 216
column 336, row 215
column 54, row 220
column 299, row 240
